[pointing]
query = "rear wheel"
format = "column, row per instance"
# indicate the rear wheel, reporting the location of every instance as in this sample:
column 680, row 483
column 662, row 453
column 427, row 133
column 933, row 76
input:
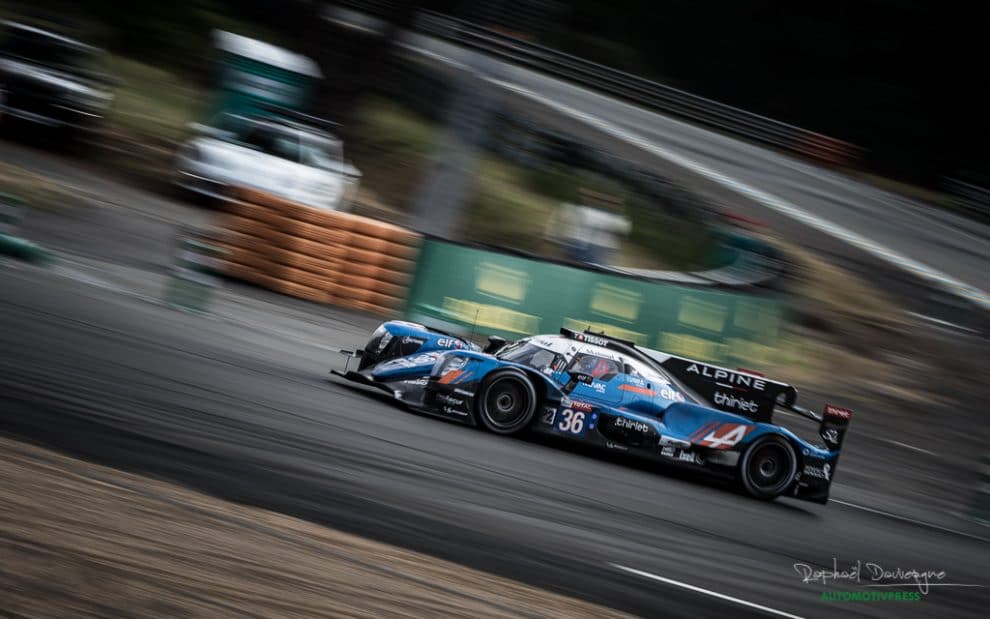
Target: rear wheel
column 506, row 402
column 767, row 467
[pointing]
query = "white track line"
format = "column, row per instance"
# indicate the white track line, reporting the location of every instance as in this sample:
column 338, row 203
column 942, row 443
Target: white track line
column 943, row 323
column 768, row 200
column 906, row 446
column 715, row 594
column 911, row 520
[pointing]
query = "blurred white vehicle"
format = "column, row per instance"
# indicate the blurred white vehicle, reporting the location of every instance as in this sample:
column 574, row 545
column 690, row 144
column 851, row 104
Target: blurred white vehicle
column 282, row 157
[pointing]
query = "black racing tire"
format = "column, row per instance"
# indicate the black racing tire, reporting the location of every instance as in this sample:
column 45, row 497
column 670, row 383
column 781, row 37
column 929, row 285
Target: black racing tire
column 768, row 467
column 506, row 402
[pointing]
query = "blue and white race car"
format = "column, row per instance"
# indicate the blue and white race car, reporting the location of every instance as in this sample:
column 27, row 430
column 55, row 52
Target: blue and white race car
column 610, row 393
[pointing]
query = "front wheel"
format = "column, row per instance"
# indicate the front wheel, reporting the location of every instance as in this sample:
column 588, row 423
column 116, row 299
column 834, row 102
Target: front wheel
column 767, row 467
column 506, row 402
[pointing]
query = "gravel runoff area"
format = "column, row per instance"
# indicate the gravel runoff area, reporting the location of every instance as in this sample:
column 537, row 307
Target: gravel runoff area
column 81, row 540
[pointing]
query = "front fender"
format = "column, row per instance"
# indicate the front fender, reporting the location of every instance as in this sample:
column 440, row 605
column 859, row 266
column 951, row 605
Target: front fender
column 398, row 338
column 465, row 378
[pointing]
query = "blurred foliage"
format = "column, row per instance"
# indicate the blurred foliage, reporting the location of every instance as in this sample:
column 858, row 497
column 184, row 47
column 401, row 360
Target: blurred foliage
column 556, row 182
column 152, row 101
column 392, row 146
column 171, row 35
column 505, row 212
column 390, row 127
column 677, row 243
column 873, row 73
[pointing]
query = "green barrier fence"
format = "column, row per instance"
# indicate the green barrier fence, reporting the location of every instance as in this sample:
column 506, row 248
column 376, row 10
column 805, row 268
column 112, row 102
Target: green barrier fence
column 980, row 510
column 11, row 242
column 511, row 296
column 194, row 277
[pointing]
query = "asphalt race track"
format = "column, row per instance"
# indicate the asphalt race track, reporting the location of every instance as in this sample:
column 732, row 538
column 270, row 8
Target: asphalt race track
column 251, row 417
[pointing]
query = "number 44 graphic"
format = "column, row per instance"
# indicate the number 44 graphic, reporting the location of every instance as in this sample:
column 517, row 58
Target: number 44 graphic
column 725, row 435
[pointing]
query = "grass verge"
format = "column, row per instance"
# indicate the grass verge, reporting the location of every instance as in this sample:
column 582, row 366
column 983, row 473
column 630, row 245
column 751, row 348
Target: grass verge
column 36, row 191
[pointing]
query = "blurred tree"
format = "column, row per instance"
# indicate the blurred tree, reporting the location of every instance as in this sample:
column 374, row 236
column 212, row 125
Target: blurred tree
column 897, row 77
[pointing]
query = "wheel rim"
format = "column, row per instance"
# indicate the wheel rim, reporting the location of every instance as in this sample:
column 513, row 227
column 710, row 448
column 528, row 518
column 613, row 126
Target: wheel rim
column 769, row 467
column 506, row 402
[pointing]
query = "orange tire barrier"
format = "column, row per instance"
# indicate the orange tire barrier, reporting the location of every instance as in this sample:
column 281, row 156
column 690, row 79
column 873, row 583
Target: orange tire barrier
column 382, row 230
column 240, row 271
column 317, row 255
column 231, row 239
column 369, row 283
column 251, row 259
column 317, row 266
column 305, row 278
column 382, row 246
column 359, row 298
column 301, row 291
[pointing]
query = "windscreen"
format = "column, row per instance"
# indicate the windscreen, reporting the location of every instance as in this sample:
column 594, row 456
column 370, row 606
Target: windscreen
column 528, row 353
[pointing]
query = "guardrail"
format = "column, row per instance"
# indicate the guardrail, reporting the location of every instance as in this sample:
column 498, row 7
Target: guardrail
column 639, row 90
column 971, row 199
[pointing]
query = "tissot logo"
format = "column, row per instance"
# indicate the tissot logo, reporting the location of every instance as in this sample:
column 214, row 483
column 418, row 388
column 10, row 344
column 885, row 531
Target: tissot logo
column 591, row 339
column 731, row 401
column 727, row 377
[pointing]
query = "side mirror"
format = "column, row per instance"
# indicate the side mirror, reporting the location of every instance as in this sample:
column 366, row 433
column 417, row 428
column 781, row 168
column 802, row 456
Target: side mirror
column 494, row 343
column 577, row 377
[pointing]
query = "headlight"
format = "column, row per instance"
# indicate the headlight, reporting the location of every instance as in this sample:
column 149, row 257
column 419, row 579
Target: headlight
column 382, row 343
column 451, row 364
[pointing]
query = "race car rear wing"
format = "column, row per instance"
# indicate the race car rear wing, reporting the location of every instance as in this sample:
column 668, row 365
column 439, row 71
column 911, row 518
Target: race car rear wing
column 835, row 422
column 734, row 391
column 751, row 395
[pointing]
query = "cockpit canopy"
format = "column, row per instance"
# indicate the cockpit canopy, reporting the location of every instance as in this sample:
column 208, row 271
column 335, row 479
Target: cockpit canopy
column 611, row 371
